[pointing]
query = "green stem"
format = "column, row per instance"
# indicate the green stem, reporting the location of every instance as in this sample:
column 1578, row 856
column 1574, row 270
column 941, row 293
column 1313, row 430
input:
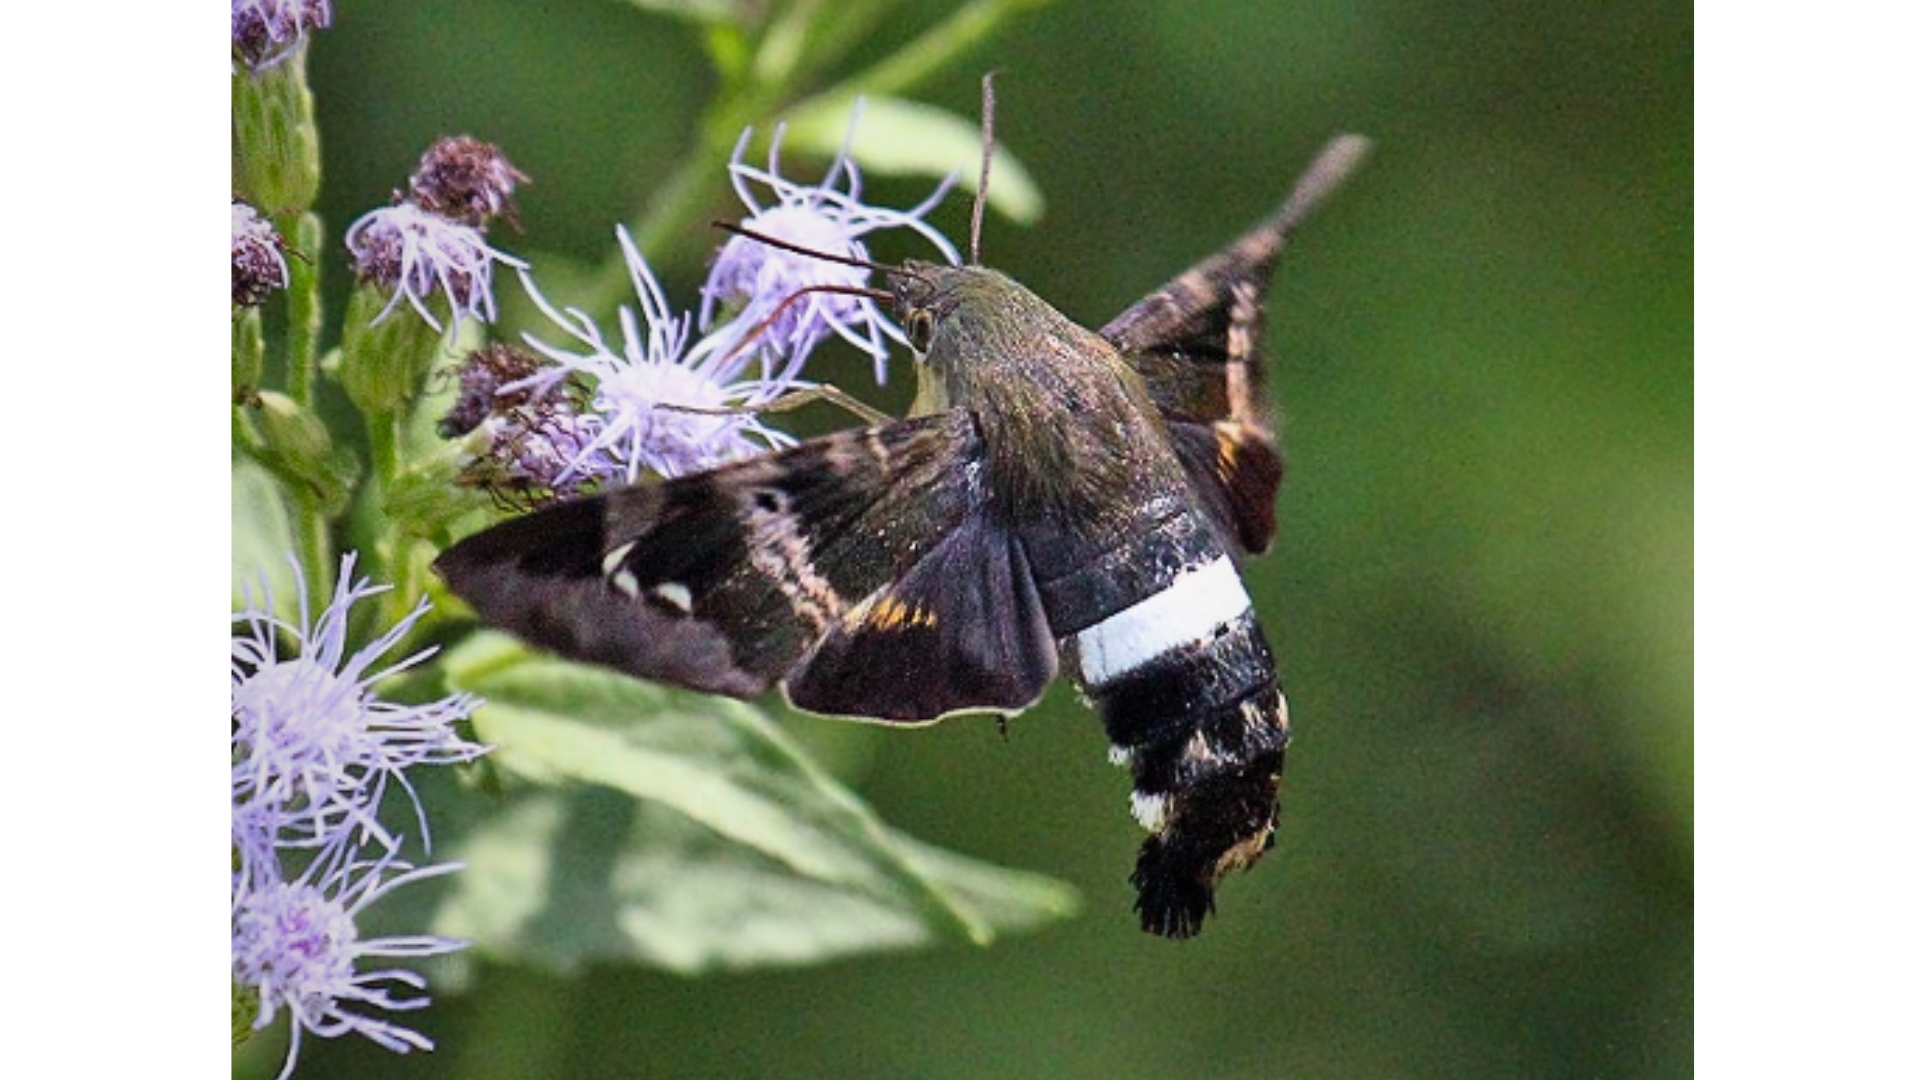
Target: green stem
column 934, row 49
column 303, row 307
column 695, row 184
column 386, row 436
column 245, row 437
column 383, row 440
column 315, row 545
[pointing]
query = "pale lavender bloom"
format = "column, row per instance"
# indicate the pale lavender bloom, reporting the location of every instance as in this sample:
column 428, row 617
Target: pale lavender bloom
column 298, row 946
column 265, row 32
column 259, row 259
column 410, row 252
column 312, row 748
column 765, row 283
column 632, row 423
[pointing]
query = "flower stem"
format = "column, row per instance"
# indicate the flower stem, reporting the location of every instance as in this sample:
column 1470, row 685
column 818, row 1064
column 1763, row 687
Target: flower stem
column 670, row 217
column 312, row 540
column 304, row 313
column 386, row 437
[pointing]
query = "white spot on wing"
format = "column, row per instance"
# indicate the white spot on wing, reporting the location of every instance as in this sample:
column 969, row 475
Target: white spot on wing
column 612, row 559
column 675, row 595
column 1186, row 612
column 1150, row 811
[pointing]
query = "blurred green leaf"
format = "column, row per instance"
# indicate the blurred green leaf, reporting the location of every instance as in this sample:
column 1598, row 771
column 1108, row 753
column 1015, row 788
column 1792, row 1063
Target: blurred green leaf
column 901, row 137
column 732, row 851
column 724, row 12
column 262, row 541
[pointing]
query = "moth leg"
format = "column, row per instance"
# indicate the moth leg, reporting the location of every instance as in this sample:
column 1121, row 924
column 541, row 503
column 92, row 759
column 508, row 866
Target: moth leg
column 794, row 399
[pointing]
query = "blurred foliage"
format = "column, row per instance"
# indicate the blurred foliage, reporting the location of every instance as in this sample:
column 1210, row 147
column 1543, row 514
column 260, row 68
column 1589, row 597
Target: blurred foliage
column 688, row 833
column 1481, row 595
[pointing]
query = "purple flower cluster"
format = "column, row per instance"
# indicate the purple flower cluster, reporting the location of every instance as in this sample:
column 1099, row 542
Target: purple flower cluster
column 660, row 401
column 433, row 238
column 314, row 753
column 654, row 403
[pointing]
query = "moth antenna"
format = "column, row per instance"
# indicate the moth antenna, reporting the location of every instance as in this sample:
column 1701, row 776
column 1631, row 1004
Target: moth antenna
column 811, row 253
column 1335, row 162
column 986, row 166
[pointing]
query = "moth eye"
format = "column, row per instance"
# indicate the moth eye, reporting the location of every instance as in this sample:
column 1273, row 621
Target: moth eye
column 920, row 329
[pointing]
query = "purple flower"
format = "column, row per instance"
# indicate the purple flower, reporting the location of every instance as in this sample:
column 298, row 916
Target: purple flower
column 313, row 749
column 297, row 947
column 766, row 283
column 410, row 252
column 312, row 753
column 265, row 32
column 636, row 420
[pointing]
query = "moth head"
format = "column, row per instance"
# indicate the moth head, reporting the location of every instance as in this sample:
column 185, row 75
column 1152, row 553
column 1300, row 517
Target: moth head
column 926, row 294
column 922, row 298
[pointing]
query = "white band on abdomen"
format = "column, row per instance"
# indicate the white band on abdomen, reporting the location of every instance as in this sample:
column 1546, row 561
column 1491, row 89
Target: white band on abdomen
column 1187, row 611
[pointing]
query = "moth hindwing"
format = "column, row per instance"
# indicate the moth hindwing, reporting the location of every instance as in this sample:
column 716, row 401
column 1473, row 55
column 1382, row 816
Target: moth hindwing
column 1059, row 500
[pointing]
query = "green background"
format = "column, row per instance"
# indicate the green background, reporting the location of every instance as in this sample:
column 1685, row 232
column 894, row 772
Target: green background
column 1481, row 596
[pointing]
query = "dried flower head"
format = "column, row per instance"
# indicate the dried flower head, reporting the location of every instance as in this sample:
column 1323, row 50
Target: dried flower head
column 259, row 259
column 465, row 180
column 480, row 376
column 265, row 32
column 532, row 431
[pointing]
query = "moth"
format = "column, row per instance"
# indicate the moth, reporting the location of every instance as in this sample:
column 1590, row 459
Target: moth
column 1057, row 500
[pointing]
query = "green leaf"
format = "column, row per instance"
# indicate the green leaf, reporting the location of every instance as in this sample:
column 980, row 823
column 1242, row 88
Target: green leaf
column 688, row 832
column 262, row 542
column 902, row 137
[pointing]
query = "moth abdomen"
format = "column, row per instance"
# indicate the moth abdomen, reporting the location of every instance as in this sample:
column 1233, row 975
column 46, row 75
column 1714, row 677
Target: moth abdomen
column 1184, row 682
column 1206, row 789
column 1222, row 822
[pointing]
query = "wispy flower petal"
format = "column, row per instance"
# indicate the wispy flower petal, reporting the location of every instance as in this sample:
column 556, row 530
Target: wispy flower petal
column 411, row 253
column 297, row 945
column 312, row 744
column 769, row 285
column 313, row 751
column 643, row 387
